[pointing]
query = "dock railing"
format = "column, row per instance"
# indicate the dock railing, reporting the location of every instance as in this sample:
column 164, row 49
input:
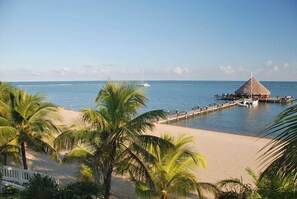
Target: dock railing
column 175, row 115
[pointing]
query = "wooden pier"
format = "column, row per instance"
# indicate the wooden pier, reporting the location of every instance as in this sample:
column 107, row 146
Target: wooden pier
column 282, row 100
column 198, row 111
column 195, row 111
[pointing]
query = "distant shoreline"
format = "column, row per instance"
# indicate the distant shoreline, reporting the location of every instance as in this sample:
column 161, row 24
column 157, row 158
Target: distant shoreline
column 50, row 81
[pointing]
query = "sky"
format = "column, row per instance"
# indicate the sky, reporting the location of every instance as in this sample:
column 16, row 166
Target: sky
column 152, row 40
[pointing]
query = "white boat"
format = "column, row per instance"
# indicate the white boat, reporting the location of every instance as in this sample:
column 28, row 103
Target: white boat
column 243, row 104
column 143, row 84
column 248, row 102
column 255, row 102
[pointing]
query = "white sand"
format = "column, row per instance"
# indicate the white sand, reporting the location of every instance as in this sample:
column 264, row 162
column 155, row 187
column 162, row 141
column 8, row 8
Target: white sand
column 227, row 156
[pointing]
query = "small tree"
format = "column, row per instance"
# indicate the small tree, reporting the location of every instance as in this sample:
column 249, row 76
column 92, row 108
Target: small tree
column 164, row 170
column 27, row 120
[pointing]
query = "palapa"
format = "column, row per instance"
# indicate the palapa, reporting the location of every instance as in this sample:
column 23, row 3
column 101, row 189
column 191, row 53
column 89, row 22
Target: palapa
column 257, row 88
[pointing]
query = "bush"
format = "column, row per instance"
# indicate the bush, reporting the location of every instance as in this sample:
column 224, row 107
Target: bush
column 44, row 187
column 10, row 190
column 81, row 190
column 41, row 187
column 228, row 195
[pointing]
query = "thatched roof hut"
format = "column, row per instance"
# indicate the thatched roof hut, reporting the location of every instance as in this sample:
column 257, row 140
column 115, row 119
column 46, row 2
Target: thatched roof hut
column 257, row 88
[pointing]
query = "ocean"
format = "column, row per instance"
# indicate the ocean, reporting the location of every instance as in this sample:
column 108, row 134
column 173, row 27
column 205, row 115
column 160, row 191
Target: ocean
column 181, row 95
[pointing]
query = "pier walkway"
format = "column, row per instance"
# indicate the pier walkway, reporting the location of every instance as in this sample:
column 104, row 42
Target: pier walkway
column 197, row 111
column 282, row 100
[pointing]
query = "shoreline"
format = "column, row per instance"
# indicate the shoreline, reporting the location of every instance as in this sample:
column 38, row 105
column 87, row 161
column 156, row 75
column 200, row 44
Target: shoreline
column 220, row 131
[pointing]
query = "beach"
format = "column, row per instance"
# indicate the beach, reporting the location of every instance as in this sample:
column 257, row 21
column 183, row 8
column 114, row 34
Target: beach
column 227, row 156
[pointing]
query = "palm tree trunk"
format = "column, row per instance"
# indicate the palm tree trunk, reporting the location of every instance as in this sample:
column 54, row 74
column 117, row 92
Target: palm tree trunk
column 108, row 175
column 23, row 150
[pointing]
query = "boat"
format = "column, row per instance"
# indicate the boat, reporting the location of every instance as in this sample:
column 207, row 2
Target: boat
column 243, row 103
column 143, row 84
column 248, row 102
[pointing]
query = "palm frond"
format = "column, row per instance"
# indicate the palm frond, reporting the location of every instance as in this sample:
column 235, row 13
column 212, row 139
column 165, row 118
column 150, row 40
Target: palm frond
column 78, row 155
column 280, row 152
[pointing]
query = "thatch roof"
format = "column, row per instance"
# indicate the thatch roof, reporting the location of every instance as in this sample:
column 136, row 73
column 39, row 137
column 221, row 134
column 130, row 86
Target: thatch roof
column 257, row 88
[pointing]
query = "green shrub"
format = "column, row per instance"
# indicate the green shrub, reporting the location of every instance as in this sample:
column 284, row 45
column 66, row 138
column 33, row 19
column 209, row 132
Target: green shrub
column 228, row 195
column 10, row 190
column 81, row 190
column 41, row 187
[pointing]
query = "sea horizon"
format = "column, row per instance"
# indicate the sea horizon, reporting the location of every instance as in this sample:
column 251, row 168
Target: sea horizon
column 137, row 80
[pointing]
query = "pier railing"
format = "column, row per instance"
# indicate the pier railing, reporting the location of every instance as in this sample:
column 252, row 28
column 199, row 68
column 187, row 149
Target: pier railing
column 175, row 115
column 19, row 175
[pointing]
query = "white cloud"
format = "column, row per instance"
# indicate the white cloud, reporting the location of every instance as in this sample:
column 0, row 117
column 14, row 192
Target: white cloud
column 286, row 65
column 268, row 63
column 227, row 69
column 62, row 71
column 180, row 70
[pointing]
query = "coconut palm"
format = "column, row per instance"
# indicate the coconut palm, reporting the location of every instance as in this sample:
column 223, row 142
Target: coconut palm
column 113, row 126
column 165, row 171
column 266, row 187
column 236, row 188
column 10, row 149
column 280, row 154
column 27, row 121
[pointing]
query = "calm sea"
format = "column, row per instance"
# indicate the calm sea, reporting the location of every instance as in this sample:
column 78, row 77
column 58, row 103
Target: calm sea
column 181, row 95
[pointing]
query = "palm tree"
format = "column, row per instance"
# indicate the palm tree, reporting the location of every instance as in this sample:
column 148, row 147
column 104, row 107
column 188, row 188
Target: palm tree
column 113, row 126
column 27, row 121
column 11, row 149
column 165, row 171
column 281, row 153
column 236, row 188
column 266, row 187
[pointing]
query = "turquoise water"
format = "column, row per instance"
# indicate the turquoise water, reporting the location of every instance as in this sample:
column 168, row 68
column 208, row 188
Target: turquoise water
column 181, row 95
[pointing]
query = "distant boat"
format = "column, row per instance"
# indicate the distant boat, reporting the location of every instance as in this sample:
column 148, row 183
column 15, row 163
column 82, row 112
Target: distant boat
column 143, row 84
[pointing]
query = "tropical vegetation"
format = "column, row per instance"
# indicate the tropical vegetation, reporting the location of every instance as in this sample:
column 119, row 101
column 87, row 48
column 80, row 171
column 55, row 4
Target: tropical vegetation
column 25, row 121
column 110, row 129
column 280, row 155
column 269, row 186
column 46, row 187
column 165, row 171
